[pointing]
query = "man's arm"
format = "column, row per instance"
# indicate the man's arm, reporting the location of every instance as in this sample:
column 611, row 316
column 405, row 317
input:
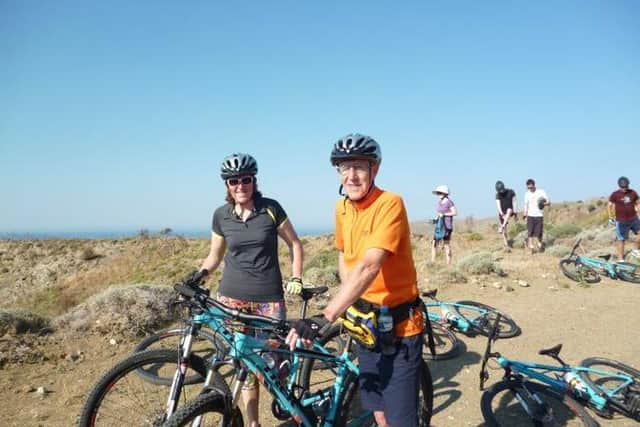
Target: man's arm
column 356, row 283
column 499, row 207
column 611, row 210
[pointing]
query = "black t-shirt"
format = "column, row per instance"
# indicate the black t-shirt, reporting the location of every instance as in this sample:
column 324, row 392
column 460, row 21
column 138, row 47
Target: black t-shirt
column 506, row 199
column 251, row 269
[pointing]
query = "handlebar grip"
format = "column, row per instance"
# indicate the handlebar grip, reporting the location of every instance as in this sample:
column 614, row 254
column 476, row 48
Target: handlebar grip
column 187, row 291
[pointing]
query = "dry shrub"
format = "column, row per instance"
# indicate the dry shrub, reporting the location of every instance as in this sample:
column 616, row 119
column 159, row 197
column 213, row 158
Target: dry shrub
column 449, row 275
column 16, row 322
column 479, row 263
column 559, row 251
column 322, row 276
column 129, row 310
column 88, row 254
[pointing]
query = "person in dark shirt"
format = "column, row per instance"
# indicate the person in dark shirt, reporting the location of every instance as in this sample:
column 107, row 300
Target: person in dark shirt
column 624, row 204
column 245, row 232
column 506, row 206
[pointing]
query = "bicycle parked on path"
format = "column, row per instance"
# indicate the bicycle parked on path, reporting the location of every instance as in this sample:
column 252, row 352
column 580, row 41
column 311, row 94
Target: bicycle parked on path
column 554, row 395
column 469, row 317
column 335, row 404
column 588, row 270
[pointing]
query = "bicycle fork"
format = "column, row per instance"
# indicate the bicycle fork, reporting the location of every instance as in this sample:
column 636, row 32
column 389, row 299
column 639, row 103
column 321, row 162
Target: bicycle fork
column 536, row 408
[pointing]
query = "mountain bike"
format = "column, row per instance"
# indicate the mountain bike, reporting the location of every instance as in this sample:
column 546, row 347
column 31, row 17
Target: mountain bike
column 469, row 317
column 205, row 343
column 588, row 270
column 292, row 399
column 555, row 395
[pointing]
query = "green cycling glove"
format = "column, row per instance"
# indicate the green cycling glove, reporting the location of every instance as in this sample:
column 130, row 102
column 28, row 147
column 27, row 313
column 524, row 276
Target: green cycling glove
column 294, row 286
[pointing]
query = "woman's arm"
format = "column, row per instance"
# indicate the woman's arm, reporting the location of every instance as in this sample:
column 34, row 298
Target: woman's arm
column 288, row 234
column 212, row 261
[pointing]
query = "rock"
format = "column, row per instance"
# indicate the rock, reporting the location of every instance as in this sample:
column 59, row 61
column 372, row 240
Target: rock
column 509, row 288
column 41, row 391
column 112, row 341
column 523, row 284
column 497, row 285
column 553, row 288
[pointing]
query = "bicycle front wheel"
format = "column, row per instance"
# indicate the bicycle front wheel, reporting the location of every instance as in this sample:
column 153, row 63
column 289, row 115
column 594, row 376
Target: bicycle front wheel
column 211, row 410
column 447, row 345
column 518, row 403
column 481, row 318
column 579, row 272
column 123, row 397
column 624, row 391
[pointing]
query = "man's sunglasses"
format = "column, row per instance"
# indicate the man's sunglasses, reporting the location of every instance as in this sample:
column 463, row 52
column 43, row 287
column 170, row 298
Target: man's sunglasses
column 237, row 181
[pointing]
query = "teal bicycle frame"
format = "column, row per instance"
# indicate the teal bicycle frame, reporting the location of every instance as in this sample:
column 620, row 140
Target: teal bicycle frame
column 245, row 352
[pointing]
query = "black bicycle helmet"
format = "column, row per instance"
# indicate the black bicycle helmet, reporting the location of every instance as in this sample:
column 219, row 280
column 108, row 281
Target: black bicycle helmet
column 500, row 188
column 541, row 203
column 623, row 182
column 355, row 146
column 238, row 164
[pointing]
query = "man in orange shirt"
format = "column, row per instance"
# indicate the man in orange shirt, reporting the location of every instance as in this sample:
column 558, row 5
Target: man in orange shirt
column 376, row 268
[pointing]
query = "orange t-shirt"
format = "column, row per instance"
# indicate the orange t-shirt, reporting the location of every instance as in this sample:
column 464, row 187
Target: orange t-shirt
column 380, row 221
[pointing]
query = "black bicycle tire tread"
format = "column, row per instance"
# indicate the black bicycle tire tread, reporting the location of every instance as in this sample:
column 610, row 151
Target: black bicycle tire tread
column 596, row 278
column 456, row 347
column 204, row 403
column 514, row 330
column 131, row 363
column 490, row 393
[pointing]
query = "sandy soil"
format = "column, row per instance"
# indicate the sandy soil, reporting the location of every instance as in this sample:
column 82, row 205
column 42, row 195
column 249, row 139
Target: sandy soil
column 600, row 320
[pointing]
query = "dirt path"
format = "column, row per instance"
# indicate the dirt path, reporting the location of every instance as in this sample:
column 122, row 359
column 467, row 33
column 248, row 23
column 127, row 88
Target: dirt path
column 600, row 320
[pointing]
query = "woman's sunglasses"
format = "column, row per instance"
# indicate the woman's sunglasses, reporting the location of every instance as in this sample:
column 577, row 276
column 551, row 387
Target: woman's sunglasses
column 237, row 181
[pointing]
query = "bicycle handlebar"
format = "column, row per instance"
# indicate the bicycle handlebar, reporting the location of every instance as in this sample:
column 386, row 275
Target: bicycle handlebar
column 205, row 301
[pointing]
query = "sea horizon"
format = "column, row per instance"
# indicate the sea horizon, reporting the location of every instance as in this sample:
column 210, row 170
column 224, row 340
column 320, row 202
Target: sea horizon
column 127, row 232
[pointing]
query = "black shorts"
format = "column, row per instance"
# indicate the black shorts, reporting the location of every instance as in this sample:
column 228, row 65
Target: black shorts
column 534, row 226
column 390, row 383
column 446, row 237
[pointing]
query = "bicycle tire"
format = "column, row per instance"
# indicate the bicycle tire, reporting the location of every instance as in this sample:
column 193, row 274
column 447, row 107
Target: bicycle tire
column 212, row 404
column 332, row 340
column 628, row 272
column 425, row 399
column 597, row 381
column 205, row 345
column 579, row 272
column 482, row 324
column 447, row 344
column 107, row 404
column 563, row 408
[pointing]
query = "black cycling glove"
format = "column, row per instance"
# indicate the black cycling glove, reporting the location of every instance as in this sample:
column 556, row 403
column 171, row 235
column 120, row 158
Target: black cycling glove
column 309, row 328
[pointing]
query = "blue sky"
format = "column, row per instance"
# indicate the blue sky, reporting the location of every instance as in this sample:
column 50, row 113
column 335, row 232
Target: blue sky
column 117, row 114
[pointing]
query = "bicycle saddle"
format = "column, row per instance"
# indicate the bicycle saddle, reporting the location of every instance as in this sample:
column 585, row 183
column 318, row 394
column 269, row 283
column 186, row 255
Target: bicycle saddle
column 430, row 294
column 308, row 293
column 553, row 351
column 606, row 257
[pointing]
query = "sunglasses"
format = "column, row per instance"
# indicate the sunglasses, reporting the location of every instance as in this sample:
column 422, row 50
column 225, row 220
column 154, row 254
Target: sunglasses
column 246, row 180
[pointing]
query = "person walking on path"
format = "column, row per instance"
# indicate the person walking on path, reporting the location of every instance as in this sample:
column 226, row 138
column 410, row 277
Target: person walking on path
column 445, row 210
column 506, row 206
column 623, row 203
column 535, row 200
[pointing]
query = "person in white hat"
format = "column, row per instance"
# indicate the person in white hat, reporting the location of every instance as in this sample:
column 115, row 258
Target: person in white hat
column 446, row 210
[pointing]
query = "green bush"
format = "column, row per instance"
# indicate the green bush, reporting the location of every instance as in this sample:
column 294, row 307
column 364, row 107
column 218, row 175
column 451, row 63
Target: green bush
column 474, row 237
column 517, row 228
column 324, row 258
column 565, row 230
column 559, row 251
column 591, row 208
column 479, row 263
column 449, row 275
column 317, row 276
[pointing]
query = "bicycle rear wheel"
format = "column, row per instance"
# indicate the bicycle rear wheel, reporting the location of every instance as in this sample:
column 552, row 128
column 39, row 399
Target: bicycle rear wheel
column 628, row 272
column 211, row 408
column 481, row 318
column 122, row 397
column 447, row 345
column 627, row 396
column 518, row 403
column 579, row 272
